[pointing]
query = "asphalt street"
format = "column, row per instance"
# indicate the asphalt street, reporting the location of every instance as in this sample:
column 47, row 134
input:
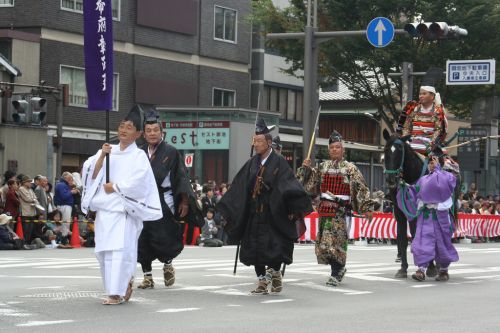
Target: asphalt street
column 56, row 290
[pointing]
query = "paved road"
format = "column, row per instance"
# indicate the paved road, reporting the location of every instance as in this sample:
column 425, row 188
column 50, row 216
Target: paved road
column 60, row 290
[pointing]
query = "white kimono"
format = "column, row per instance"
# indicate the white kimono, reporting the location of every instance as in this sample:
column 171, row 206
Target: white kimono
column 119, row 217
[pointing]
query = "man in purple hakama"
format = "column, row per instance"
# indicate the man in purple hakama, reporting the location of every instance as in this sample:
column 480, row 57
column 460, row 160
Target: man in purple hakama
column 431, row 199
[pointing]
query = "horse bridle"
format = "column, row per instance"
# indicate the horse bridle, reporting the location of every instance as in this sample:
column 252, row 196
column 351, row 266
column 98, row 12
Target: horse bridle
column 399, row 170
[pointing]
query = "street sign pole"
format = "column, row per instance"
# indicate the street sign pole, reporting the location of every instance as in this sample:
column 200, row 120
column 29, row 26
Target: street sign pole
column 312, row 39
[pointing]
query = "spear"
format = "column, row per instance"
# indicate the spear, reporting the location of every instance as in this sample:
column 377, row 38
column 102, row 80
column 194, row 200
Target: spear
column 251, row 155
column 313, row 134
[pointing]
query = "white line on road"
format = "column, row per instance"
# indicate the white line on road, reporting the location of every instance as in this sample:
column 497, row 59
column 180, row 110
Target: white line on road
column 482, row 277
column 177, row 310
column 312, row 285
column 51, row 277
column 53, row 287
column 228, row 275
column 43, row 323
column 423, row 285
column 277, row 301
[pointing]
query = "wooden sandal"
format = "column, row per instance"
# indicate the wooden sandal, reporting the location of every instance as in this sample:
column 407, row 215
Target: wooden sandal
column 128, row 293
column 113, row 300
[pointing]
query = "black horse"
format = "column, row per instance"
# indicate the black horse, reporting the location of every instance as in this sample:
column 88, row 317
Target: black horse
column 401, row 161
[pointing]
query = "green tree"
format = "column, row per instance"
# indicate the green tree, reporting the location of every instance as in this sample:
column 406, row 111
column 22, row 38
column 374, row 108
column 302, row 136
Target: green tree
column 364, row 68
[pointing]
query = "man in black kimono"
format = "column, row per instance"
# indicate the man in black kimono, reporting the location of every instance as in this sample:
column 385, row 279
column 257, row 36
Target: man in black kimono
column 261, row 208
column 162, row 239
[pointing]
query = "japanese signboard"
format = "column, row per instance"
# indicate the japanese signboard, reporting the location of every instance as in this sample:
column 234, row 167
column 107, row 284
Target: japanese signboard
column 465, row 72
column 98, row 50
column 190, row 135
column 472, row 156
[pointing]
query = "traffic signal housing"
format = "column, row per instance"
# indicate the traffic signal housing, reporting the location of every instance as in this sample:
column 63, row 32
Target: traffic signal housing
column 38, row 110
column 29, row 112
column 434, row 30
column 22, row 112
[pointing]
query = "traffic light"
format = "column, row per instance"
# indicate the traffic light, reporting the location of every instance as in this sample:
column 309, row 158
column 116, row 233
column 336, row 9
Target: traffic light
column 38, row 110
column 29, row 112
column 23, row 112
column 434, row 30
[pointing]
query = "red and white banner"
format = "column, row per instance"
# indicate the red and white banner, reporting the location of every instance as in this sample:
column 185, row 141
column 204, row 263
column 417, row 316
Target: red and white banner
column 383, row 225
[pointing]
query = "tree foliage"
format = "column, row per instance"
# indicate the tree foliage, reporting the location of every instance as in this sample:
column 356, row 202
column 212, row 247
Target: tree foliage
column 364, row 68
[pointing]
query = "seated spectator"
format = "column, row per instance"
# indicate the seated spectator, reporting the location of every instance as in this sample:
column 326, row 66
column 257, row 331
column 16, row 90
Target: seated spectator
column 208, row 231
column 62, row 237
column 89, row 235
column 8, row 238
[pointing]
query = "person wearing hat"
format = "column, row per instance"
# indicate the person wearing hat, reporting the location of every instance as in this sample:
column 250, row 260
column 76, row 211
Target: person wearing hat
column 425, row 121
column 121, row 204
column 277, row 146
column 27, row 208
column 341, row 189
column 261, row 208
column 431, row 200
column 6, row 238
column 162, row 239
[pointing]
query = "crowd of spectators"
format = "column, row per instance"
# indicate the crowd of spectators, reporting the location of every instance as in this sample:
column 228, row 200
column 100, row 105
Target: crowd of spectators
column 212, row 233
column 44, row 216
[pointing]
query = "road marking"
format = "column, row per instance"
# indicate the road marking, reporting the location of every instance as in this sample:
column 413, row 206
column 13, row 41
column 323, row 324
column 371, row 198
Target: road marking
column 423, row 285
column 43, row 323
column 230, row 292
column 234, row 305
column 54, row 287
column 228, row 275
column 482, row 277
column 12, row 313
column 177, row 310
column 277, row 301
column 345, row 291
column 51, row 277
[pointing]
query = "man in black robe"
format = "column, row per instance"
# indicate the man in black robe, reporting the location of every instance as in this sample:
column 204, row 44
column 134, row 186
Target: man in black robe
column 261, row 208
column 162, row 239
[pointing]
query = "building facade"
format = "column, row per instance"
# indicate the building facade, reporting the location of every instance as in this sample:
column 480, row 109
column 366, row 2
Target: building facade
column 178, row 53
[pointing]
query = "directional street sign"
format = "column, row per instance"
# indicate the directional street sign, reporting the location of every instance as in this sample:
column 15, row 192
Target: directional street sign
column 380, row 32
column 465, row 72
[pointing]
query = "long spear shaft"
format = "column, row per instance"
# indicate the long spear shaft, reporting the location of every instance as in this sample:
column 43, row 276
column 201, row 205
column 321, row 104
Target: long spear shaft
column 251, row 155
column 313, row 134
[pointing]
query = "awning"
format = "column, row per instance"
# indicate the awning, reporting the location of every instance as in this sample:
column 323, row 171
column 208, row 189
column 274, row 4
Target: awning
column 9, row 67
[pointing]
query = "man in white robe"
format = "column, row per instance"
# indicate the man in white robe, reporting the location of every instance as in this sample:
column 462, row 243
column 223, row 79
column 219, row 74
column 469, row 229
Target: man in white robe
column 121, row 205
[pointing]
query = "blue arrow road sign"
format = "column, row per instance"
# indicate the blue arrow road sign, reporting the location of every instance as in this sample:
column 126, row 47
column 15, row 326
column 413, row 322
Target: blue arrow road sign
column 380, row 32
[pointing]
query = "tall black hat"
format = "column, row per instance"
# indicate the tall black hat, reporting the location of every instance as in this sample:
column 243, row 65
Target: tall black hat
column 262, row 128
column 335, row 137
column 136, row 116
column 152, row 116
column 277, row 142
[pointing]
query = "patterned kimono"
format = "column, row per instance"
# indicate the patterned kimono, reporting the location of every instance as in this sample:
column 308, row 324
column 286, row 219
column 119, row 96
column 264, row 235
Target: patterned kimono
column 425, row 127
column 342, row 189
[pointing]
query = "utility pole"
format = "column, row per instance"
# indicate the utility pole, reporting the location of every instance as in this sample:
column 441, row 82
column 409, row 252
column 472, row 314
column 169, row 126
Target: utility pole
column 312, row 39
column 59, row 130
column 406, row 83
